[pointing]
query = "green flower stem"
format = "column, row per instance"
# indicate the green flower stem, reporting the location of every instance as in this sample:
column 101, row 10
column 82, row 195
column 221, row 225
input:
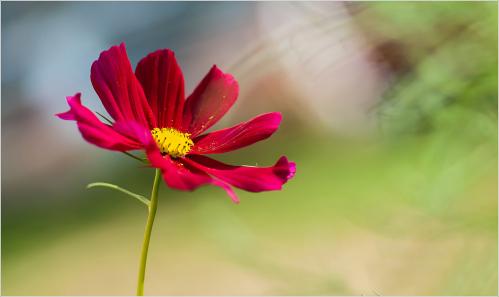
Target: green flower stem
column 153, row 205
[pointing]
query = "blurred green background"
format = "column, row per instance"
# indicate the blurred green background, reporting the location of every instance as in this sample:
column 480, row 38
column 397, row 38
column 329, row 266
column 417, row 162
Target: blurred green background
column 390, row 112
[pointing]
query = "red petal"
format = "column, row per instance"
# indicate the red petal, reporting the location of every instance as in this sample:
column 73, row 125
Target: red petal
column 163, row 84
column 244, row 134
column 177, row 175
column 182, row 176
column 228, row 189
column 119, row 89
column 211, row 99
column 93, row 130
column 253, row 179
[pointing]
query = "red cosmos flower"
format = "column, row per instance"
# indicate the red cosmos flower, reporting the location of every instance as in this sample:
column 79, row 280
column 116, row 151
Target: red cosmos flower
column 151, row 113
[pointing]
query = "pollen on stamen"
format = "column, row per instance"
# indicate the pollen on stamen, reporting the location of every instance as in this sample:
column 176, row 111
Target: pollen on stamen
column 172, row 142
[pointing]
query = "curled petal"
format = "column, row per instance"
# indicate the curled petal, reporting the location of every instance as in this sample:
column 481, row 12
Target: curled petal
column 163, row 84
column 244, row 134
column 249, row 178
column 228, row 189
column 177, row 175
column 118, row 88
column 180, row 175
column 93, row 130
column 211, row 99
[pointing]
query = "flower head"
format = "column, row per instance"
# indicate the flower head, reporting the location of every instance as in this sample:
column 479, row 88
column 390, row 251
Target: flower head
column 150, row 113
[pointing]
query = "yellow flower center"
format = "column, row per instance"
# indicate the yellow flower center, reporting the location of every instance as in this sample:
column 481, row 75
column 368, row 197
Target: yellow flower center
column 172, row 142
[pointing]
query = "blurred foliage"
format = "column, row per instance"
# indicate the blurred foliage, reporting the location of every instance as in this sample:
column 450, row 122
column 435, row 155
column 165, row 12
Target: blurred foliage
column 443, row 57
